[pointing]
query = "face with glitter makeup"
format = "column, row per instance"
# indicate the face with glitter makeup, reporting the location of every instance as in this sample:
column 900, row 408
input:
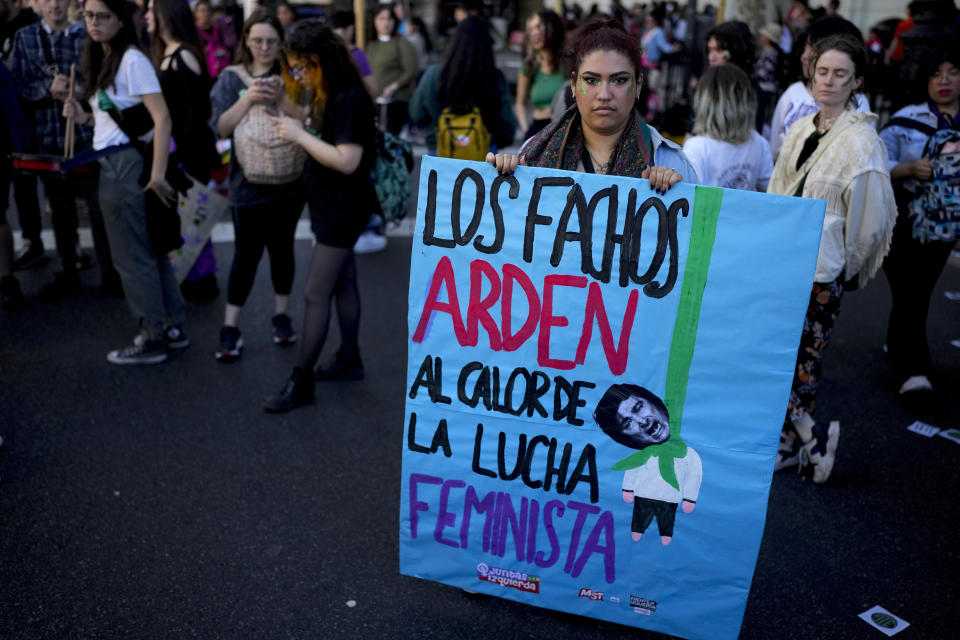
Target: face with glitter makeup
column 834, row 79
column 716, row 55
column 605, row 87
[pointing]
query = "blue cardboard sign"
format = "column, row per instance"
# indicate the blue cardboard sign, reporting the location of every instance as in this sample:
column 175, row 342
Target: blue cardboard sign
column 596, row 381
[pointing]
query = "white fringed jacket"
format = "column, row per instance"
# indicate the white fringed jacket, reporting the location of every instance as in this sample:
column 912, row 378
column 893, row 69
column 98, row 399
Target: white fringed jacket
column 849, row 171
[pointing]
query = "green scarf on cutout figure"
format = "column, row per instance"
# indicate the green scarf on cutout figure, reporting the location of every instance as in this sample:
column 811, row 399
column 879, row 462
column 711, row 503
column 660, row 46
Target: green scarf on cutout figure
column 706, row 210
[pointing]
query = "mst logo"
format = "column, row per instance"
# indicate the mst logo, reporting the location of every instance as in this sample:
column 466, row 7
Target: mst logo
column 643, row 605
column 591, row 594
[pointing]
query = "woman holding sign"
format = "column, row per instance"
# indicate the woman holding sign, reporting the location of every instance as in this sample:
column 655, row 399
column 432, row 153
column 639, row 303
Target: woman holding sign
column 603, row 132
column 340, row 195
column 836, row 156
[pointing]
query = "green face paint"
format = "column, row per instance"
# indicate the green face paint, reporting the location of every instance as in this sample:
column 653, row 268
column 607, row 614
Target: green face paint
column 581, row 86
column 849, row 81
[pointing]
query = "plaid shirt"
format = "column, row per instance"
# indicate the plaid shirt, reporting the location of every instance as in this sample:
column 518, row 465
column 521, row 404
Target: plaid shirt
column 33, row 78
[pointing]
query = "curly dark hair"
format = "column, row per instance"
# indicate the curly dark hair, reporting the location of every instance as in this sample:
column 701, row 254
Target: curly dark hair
column 929, row 64
column 313, row 40
column 600, row 33
column 734, row 37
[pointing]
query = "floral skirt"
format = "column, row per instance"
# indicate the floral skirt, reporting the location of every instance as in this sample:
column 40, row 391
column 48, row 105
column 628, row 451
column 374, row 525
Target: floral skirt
column 818, row 324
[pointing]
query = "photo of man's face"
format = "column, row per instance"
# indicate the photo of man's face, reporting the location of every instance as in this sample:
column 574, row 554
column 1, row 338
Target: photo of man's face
column 633, row 416
column 642, row 422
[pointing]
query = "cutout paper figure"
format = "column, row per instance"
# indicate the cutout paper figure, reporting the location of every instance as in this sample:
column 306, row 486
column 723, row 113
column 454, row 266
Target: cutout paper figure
column 664, row 472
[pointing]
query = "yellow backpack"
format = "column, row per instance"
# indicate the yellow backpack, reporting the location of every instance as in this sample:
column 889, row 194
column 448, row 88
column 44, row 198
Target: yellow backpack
column 462, row 136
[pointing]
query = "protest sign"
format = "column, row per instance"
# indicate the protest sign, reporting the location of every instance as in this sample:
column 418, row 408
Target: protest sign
column 596, row 381
column 200, row 208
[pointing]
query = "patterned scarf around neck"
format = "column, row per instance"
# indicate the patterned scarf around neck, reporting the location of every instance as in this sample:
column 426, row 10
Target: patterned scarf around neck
column 560, row 146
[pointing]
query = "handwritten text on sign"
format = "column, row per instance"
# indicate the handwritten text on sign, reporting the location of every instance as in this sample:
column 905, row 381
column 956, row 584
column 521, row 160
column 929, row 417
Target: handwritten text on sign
column 584, row 429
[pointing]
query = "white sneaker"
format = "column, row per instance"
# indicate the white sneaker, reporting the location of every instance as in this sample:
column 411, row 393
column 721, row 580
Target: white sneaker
column 818, row 454
column 916, row 383
column 370, row 242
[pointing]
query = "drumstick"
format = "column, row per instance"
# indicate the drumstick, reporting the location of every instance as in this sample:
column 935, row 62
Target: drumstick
column 69, row 138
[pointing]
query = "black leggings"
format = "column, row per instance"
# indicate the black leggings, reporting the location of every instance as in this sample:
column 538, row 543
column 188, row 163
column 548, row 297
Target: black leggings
column 271, row 226
column 333, row 275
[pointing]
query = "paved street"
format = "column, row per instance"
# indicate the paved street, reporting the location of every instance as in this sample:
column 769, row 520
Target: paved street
column 161, row 502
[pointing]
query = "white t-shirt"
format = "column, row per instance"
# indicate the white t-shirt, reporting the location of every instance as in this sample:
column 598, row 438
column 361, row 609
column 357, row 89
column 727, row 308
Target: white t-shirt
column 795, row 103
column 135, row 77
column 746, row 166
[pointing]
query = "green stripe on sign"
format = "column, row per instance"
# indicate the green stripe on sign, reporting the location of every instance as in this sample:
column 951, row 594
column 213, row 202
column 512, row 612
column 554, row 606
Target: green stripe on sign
column 706, row 212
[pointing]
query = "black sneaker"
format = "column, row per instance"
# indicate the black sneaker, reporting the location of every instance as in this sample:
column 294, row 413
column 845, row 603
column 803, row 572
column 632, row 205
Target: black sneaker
column 30, row 257
column 142, row 351
column 283, row 333
column 11, row 297
column 231, row 344
column 64, row 283
column 297, row 392
column 343, row 367
column 176, row 338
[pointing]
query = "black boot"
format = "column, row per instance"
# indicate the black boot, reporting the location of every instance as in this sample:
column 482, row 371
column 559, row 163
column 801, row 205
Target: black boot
column 343, row 367
column 297, row 392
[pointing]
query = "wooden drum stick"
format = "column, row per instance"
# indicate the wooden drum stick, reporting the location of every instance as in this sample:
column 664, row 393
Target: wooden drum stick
column 71, row 125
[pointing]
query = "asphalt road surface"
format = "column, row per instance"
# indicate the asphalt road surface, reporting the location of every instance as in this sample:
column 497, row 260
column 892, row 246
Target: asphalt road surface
column 162, row 502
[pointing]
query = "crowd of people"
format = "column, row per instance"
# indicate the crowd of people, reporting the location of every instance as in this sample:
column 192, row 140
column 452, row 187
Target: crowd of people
column 151, row 88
